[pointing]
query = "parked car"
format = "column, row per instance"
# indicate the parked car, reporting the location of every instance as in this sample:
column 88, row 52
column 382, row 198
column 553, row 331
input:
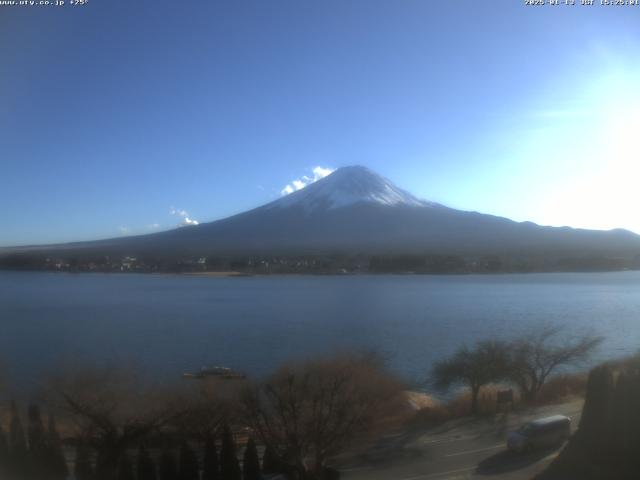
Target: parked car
column 544, row 432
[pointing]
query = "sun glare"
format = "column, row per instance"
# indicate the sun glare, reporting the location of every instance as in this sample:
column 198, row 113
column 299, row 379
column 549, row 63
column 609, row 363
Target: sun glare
column 603, row 144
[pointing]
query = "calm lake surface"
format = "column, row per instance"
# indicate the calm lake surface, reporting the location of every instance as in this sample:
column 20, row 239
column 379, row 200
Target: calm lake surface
column 172, row 324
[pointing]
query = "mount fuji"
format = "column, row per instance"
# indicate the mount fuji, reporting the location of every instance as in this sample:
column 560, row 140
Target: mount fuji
column 355, row 211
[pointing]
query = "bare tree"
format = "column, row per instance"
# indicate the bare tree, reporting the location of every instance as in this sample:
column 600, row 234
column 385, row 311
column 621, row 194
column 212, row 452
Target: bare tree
column 535, row 356
column 204, row 406
column 308, row 412
column 112, row 410
column 473, row 367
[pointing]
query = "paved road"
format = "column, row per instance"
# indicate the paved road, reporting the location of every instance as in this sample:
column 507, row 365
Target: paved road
column 460, row 449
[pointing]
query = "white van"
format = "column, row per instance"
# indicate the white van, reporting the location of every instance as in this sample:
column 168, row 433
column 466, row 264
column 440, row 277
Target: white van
column 544, row 432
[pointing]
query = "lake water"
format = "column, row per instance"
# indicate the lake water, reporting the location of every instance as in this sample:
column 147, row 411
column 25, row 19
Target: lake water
column 171, row 324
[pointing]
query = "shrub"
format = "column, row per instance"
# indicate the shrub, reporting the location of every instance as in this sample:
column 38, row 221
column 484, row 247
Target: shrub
column 561, row 387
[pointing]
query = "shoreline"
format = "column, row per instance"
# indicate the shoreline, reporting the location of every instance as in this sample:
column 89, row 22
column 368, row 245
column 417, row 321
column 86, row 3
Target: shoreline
column 238, row 274
column 207, row 274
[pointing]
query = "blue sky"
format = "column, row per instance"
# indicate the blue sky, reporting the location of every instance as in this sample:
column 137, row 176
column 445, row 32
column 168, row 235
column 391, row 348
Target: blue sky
column 117, row 113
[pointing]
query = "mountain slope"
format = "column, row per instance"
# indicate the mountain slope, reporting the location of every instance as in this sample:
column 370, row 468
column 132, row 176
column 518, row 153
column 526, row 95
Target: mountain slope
column 354, row 210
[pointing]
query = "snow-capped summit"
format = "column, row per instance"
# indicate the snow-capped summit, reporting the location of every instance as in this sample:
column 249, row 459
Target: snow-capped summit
column 348, row 186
